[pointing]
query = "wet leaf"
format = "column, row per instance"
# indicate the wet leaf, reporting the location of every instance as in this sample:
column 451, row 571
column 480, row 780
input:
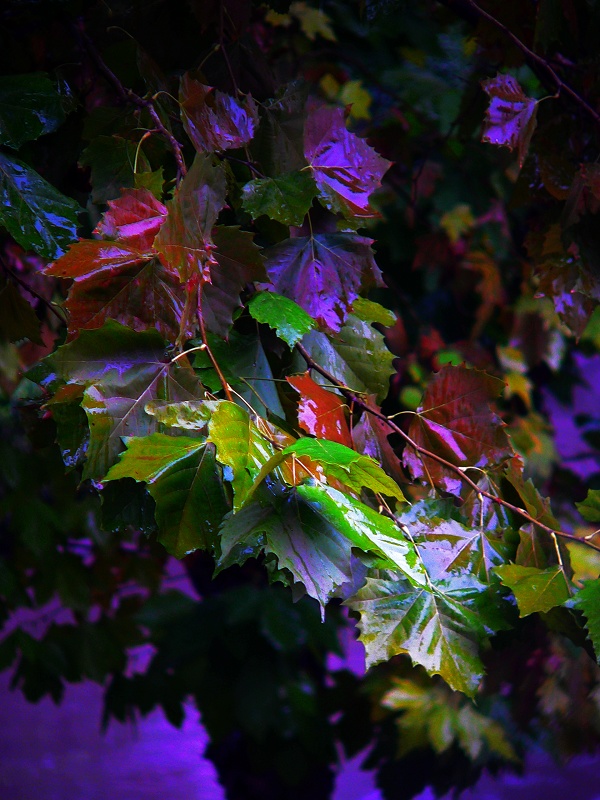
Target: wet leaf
column 346, row 170
column 118, row 281
column 213, row 120
column 370, row 437
column 286, row 198
column 456, row 422
column 346, row 466
column 535, row 589
column 441, row 631
column 183, row 479
column 112, row 160
column 323, row 273
column 191, row 415
column 30, row 106
column 287, row 318
column 321, row 413
column 184, row 241
column 134, row 218
column 511, row 116
column 35, row 214
column 587, row 600
column 316, row 554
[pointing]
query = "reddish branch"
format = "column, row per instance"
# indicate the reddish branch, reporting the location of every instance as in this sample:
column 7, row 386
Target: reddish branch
column 130, row 96
column 376, row 412
column 470, row 9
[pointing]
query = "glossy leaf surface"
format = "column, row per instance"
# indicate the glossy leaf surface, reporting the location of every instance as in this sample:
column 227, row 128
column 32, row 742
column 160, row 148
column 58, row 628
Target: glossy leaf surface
column 285, row 198
column 456, row 422
column 134, row 218
column 323, row 273
column 289, row 320
column 346, row 170
column 321, row 413
column 35, row 214
column 30, row 106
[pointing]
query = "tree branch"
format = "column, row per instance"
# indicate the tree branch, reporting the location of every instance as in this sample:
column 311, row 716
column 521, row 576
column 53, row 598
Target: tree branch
column 470, row 10
column 128, row 95
column 350, row 395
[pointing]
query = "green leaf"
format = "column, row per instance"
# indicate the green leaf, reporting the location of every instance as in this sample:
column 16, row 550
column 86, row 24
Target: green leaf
column 30, row 106
column 122, row 371
column 286, row 198
column 112, row 160
column 184, row 482
column 314, row 551
column 289, row 320
column 441, row 631
column 18, row 320
column 356, row 356
column 368, row 311
column 535, row 589
column 346, row 465
column 587, row 600
column 147, row 457
column 192, row 415
column 241, row 448
column 590, row 507
column 365, row 529
column 244, row 364
column 35, row 214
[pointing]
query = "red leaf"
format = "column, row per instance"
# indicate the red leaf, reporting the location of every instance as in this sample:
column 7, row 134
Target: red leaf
column 184, row 241
column 237, row 262
column 323, row 273
column 213, row 120
column 321, row 413
column 456, row 422
column 134, row 218
column 511, row 116
column 345, row 168
column 120, row 282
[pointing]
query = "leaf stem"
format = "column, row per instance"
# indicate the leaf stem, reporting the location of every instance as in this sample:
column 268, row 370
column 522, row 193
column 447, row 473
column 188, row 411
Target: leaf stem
column 222, row 379
column 350, row 395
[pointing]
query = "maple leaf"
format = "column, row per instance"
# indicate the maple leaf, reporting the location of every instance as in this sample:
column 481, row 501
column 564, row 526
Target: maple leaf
column 323, row 273
column 346, row 170
column 184, row 241
column 134, row 218
column 321, row 413
column 456, row 422
column 535, row 589
column 213, row 120
column 511, row 116
column 120, row 282
column 370, row 437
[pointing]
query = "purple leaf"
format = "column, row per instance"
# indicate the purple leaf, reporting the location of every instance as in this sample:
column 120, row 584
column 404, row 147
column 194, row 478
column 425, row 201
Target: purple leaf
column 345, row 168
column 511, row 116
column 323, row 273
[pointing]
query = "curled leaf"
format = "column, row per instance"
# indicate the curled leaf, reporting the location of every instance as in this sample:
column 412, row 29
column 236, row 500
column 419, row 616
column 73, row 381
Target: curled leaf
column 511, row 116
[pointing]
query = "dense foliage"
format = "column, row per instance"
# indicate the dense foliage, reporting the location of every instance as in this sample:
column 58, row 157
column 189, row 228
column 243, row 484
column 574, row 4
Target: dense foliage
column 335, row 266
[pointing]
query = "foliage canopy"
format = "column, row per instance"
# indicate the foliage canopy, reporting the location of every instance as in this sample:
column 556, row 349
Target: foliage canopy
column 333, row 265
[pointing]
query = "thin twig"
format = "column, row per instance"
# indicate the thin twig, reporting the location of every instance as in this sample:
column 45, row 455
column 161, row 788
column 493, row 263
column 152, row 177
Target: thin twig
column 128, row 95
column 217, row 368
column 350, row 395
column 531, row 57
column 33, row 293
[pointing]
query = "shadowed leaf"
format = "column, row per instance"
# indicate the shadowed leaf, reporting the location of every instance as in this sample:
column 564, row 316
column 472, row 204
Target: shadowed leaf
column 30, row 106
column 535, row 589
column 286, row 198
column 587, row 600
column 511, row 115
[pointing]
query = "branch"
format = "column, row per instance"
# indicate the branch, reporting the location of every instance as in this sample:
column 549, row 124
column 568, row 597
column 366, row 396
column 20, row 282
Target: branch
column 424, row 452
column 128, row 95
column 470, row 9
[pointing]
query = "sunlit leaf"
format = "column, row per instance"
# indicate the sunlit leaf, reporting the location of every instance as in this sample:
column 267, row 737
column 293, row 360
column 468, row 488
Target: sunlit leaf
column 535, row 589
column 346, row 465
column 511, row 115
column 590, row 507
column 323, row 273
column 213, row 120
column 35, row 214
column 441, row 631
column 321, row 413
column 289, row 320
column 346, row 170
column 455, row 421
